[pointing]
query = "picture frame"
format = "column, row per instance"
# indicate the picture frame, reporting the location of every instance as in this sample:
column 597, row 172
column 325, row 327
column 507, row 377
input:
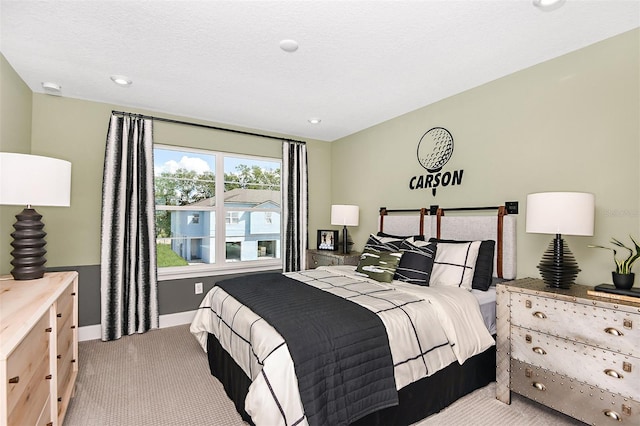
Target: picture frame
column 328, row 240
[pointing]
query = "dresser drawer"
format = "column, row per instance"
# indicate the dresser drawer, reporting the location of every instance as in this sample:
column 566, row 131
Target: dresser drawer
column 608, row 370
column 27, row 408
column 28, row 358
column 605, row 328
column 586, row 403
column 316, row 260
column 64, row 307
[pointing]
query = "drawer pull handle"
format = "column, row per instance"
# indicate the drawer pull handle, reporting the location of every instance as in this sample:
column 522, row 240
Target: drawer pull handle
column 539, row 314
column 59, row 315
column 539, row 386
column 613, row 373
column 539, row 351
column 48, row 377
column 613, row 415
column 613, row 331
column 14, row 379
column 50, row 424
column 59, row 356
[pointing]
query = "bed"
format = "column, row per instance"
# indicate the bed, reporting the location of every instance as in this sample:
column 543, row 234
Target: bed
column 402, row 350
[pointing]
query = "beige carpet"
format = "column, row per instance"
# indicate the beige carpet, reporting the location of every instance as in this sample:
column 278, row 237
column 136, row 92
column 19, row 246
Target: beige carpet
column 161, row 378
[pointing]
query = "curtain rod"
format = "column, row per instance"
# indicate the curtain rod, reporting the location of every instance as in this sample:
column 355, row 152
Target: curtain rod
column 204, row 126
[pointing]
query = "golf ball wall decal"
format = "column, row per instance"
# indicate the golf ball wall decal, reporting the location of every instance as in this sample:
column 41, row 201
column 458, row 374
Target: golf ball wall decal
column 435, row 149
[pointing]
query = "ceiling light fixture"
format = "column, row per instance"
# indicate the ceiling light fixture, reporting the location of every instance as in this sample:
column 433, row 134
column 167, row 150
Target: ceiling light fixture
column 548, row 5
column 51, row 88
column 121, row 80
column 314, row 121
column 289, row 45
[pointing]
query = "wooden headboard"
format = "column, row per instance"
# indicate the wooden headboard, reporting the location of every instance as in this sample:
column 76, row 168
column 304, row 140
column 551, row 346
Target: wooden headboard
column 436, row 223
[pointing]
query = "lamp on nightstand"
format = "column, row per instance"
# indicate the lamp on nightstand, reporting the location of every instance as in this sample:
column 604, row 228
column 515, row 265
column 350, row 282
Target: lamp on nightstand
column 28, row 180
column 344, row 215
column 569, row 213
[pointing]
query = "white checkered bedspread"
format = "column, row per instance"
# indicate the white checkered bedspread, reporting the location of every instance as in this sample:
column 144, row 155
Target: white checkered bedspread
column 428, row 328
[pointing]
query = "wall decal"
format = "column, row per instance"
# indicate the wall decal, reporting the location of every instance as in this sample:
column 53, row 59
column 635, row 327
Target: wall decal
column 435, row 149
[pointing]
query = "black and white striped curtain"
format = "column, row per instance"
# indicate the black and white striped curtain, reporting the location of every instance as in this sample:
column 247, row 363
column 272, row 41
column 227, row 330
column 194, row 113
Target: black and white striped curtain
column 129, row 281
column 295, row 200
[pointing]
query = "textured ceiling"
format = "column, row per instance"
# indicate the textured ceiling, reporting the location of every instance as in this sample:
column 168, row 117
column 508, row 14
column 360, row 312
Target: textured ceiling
column 359, row 63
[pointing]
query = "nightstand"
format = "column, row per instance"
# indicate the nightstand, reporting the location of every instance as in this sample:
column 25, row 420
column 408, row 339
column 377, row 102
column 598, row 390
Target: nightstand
column 317, row 258
column 570, row 351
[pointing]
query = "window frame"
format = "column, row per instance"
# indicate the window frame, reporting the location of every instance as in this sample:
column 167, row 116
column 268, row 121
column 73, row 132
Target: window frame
column 221, row 267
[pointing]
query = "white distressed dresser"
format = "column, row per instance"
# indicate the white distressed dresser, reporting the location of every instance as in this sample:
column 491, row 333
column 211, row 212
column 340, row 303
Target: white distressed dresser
column 38, row 348
column 573, row 352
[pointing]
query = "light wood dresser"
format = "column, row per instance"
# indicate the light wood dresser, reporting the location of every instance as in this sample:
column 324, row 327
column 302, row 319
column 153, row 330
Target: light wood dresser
column 39, row 348
column 573, row 352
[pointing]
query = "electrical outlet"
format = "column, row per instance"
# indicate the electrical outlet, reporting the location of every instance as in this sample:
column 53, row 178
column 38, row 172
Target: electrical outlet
column 198, row 288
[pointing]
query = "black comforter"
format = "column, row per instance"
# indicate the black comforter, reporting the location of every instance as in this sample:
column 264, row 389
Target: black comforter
column 339, row 349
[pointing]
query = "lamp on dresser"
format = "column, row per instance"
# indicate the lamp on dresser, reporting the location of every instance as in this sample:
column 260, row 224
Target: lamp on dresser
column 568, row 213
column 344, row 215
column 32, row 180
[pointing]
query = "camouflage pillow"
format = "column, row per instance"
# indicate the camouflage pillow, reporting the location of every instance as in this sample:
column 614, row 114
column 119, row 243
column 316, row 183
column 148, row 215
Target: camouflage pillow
column 379, row 266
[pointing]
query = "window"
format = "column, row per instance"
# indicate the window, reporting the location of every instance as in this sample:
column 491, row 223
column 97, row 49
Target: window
column 193, row 188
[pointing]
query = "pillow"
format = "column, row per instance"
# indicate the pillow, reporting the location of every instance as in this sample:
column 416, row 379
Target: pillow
column 416, row 262
column 379, row 266
column 454, row 264
column 399, row 237
column 483, row 272
column 383, row 243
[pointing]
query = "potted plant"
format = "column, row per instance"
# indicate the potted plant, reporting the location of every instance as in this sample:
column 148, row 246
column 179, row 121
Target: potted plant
column 623, row 277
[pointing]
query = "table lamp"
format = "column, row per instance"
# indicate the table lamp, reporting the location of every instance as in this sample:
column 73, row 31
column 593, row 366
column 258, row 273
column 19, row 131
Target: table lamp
column 32, row 180
column 569, row 213
column 344, row 215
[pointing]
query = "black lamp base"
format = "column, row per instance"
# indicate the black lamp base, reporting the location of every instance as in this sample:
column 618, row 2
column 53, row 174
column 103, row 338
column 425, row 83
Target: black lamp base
column 345, row 242
column 28, row 246
column 558, row 267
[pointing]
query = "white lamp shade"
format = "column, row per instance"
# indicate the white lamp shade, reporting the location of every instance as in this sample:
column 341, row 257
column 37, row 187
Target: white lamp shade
column 34, row 180
column 344, row 215
column 568, row 213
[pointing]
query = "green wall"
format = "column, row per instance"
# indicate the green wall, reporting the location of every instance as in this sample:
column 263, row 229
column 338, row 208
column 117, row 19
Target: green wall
column 569, row 124
column 15, row 136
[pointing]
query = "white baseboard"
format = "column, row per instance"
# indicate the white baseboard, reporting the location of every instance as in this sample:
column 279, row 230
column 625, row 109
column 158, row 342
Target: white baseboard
column 93, row 332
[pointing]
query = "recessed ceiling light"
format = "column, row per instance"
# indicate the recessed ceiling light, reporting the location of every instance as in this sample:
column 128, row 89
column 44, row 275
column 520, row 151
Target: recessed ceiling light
column 51, row 88
column 121, row 80
column 548, row 5
column 289, row 45
column 315, row 121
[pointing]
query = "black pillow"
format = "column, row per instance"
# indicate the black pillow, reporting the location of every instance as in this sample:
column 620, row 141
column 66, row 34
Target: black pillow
column 483, row 273
column 382, row 243
column 416, row 263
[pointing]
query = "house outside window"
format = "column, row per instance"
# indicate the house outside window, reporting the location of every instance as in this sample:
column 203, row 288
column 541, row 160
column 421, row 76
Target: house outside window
column 193, row 188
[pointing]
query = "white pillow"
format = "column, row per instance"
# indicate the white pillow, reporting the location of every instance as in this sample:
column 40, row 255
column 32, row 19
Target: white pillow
column 454, row 264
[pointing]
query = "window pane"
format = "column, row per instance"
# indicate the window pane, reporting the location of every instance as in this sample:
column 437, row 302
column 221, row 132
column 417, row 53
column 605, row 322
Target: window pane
column 185, row 237
column 184, row 178
column 252, row 208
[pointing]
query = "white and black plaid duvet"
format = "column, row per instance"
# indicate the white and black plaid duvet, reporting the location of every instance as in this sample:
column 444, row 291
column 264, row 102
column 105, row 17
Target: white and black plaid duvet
column 428, row 328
